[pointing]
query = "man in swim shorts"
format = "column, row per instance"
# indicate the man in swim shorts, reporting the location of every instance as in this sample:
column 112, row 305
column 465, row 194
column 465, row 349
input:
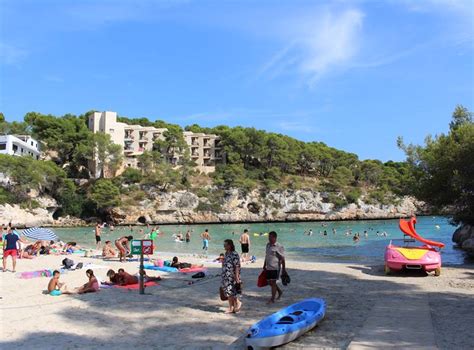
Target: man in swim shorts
column 245, row 244
column 274, row 262
column 206, row 237
column 98, row 230
column 10, row 248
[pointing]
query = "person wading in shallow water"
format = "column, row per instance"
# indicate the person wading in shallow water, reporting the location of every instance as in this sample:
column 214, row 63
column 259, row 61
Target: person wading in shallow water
column 245, row 244
column 274, row 263
column 206, row 237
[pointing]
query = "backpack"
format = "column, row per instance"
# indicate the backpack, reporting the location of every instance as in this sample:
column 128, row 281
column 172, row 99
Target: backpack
column 68, row 263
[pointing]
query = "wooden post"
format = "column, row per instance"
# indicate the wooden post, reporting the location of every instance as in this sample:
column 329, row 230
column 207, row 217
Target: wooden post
column 142, row 268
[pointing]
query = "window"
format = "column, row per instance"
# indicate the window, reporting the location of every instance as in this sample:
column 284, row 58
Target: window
column 15, row 148
column 111, row 130
column 3, row 146
column 31, row 143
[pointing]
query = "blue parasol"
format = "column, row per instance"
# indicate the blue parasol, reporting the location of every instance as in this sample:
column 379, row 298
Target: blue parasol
column 40, row 234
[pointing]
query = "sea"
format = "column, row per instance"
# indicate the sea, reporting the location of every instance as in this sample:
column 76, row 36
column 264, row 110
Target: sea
column 336, row 245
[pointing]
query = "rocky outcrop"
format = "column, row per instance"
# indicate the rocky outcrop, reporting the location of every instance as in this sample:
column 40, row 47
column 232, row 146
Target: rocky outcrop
column 24, row 217
column 286, row 205
column 233, row 206
column 464, row 238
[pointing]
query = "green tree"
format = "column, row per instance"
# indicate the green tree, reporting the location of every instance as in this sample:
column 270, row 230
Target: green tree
column 67, row 139
column 108, row 155
column 461, row 116
column 444, row 168
column 104, row 194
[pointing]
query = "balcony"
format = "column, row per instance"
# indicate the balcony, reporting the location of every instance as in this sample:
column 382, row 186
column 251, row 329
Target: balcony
column 207, row 155
column 195, row 155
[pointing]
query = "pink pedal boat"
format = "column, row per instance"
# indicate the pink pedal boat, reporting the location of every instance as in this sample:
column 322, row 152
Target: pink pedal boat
column 425, row 257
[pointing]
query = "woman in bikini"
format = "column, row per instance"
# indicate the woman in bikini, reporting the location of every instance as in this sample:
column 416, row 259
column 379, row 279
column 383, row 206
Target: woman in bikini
column 123, row 247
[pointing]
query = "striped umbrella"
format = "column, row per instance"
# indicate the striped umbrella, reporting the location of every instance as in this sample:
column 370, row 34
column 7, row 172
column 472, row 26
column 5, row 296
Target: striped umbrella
column 40, row 234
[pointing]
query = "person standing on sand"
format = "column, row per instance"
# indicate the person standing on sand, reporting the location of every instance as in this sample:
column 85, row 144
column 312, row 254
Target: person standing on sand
column 274, row 263
column 206, row 237
column 245, row 244
column 123, row 247
column 98, row 231
column 10, row 248
column 230, row 283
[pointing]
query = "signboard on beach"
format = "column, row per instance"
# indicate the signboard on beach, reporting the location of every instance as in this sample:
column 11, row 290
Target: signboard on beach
column 137, row 246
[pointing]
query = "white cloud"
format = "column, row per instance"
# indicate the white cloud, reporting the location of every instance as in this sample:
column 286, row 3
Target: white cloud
column 11, row 55
column 316, row 45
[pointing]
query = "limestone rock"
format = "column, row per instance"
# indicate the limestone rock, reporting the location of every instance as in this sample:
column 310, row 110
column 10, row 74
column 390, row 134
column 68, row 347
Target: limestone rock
column 42, row 216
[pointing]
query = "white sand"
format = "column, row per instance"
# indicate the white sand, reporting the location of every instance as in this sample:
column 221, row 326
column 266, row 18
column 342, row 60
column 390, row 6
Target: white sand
column 178, row 315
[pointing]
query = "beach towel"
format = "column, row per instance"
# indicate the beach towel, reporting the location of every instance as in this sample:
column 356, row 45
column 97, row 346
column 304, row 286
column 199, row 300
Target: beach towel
column 34, row 274
column 163, row 269
column 193, row 269
column 137, row 285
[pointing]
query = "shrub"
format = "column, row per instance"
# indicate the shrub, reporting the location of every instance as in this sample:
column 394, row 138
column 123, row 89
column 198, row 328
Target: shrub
column 353, row 194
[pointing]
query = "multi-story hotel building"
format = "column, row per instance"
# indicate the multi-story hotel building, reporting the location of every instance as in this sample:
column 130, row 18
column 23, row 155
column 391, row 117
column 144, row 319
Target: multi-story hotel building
column 19, row 145
column 135, row 139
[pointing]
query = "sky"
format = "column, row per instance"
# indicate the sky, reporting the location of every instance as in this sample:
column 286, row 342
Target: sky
column 353, row 74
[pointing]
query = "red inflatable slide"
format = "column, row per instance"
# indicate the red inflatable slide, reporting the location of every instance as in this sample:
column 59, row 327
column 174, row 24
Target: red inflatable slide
column 408, row 228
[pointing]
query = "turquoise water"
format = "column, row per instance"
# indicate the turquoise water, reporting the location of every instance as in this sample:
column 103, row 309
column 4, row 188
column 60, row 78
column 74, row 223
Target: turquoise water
column 298, row 245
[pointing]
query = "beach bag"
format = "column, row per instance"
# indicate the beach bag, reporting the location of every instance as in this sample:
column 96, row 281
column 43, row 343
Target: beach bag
column 262, row 280
column 68, row 263
column 285, row 279
column 199, row 275
column 238, row 288
column 222, row 295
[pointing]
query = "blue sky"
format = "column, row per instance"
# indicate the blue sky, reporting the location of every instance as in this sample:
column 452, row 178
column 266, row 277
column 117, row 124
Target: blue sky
column 353, row 74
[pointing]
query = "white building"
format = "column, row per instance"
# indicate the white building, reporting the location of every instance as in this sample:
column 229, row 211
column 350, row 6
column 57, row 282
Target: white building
column 135, row 139
column 19, row 145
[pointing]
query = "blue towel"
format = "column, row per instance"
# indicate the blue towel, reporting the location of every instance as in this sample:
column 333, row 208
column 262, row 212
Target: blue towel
column 157, row 268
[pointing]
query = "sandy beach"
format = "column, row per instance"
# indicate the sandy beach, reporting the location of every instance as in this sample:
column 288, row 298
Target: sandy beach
column 177, row 314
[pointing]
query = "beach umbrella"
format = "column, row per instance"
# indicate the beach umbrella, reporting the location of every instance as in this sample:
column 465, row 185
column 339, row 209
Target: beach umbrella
column 40, row 234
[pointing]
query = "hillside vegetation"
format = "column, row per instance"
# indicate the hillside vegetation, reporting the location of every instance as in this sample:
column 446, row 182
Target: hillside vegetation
column 253, row 159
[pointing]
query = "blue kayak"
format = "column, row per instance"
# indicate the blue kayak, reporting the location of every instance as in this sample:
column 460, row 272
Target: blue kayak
column 286, row 325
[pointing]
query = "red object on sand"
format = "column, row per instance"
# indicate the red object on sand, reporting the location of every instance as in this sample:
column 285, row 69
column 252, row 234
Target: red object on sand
column 137, row 285
column 262, row 280
column 193, row 269
column 408, row 228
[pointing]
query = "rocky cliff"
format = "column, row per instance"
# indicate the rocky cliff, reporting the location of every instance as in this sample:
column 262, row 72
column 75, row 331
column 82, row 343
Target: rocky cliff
column 187, row 207
column 464, row 238
column 40, row 216
column 287, row 205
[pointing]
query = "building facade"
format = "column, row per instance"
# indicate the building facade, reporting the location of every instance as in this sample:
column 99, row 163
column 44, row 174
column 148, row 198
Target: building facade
column 19, row 145
column 204, row 149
